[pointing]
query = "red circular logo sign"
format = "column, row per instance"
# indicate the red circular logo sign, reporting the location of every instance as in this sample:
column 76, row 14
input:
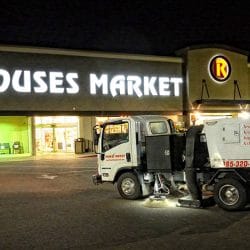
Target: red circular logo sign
column 220, row 68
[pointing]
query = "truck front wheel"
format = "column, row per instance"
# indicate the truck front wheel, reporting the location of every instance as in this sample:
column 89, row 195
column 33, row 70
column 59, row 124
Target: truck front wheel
column 230, row 194
column 129, row 186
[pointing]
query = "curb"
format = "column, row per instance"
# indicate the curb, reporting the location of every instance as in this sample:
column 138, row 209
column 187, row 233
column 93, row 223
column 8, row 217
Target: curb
column 87, row 156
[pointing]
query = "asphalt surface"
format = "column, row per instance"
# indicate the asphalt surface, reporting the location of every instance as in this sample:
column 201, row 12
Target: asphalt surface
column 52, row 204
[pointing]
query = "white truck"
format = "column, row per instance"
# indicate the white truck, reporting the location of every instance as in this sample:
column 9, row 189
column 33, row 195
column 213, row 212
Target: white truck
column 144, row 155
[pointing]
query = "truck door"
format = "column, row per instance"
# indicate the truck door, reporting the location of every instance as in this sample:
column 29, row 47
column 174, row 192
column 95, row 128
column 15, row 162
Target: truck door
column 115, row 148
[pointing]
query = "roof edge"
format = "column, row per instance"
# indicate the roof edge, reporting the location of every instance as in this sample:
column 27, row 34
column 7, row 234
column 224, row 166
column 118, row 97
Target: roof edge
column 87, row 53
column 183, row 51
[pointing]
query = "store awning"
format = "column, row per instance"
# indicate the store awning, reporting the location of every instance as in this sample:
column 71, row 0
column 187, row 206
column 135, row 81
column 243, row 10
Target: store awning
column 220, row 102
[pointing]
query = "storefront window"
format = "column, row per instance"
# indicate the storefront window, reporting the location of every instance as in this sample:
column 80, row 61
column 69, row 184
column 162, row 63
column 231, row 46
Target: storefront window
column 15, row 135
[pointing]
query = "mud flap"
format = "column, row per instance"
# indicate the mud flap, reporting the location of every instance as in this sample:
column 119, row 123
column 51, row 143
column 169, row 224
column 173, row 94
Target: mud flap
column 195, row 197
column 145, row 187
column 189, row 202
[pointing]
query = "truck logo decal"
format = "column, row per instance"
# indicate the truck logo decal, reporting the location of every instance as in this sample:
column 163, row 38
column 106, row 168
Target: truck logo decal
column 115, row 157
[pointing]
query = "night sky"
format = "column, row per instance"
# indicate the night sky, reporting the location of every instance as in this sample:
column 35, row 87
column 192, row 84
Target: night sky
column 144, row 27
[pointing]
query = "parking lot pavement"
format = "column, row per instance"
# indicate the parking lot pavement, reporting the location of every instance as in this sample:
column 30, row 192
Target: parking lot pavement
column 52, row 204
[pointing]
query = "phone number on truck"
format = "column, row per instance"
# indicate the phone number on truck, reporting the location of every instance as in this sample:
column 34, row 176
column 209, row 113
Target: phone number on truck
column 237, row 163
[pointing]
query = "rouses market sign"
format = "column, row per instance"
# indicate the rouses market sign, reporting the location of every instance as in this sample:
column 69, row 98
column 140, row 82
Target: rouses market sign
column 26, row 81
column 134, row 85
column 57, row 82
column 219, row 69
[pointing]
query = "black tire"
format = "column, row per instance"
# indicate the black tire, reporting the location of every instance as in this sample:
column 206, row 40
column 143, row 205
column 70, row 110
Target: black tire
column 230, row 194
column 129, row 186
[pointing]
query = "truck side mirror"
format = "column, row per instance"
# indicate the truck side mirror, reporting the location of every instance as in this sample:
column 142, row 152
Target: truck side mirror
column 96, row 138
column 102, row 157
column 96, row 135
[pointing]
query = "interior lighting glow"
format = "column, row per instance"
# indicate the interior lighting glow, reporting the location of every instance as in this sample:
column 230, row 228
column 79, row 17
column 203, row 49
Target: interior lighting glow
column 244, row 115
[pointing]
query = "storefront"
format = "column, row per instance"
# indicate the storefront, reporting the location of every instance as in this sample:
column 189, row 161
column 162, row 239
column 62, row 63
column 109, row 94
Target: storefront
column 49, row 97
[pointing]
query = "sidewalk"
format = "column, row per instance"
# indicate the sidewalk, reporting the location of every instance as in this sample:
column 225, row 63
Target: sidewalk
column 45, row 156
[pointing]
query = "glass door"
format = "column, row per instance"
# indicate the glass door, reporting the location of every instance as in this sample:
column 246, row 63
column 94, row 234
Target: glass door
column 44, row 139
column 64, row 139
column 56, row 134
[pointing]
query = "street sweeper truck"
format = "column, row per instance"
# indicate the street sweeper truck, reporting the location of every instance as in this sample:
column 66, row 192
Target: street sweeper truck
column 144, row 155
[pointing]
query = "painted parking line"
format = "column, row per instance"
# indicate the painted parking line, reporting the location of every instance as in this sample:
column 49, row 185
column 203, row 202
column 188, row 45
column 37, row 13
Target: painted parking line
column 52, row 177
column 47, row 176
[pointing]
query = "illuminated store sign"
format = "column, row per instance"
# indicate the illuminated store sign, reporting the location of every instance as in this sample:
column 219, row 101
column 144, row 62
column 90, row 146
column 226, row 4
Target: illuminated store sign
column 219, row 69
column 135, row 85
column 26, row 81
column 57, row 82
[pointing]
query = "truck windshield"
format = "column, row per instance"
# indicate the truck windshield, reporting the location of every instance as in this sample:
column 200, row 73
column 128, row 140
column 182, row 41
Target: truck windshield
column 114, row 134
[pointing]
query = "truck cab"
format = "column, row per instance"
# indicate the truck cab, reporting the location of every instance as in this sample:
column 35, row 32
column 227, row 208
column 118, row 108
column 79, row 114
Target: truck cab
column 121, row 151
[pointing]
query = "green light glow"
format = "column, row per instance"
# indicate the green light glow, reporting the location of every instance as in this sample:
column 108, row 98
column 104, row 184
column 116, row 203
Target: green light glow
column 14, row 129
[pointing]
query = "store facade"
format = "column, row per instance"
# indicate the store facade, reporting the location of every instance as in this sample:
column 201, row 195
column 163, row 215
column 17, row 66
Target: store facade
column 49, row 98
column 217, row 82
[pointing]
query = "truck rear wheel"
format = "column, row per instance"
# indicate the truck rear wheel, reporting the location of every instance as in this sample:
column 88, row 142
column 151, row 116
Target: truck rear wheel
column 230, row 194
column 129, row 186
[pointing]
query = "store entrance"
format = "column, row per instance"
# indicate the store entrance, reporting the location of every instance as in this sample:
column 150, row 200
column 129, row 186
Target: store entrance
column 56, row 134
